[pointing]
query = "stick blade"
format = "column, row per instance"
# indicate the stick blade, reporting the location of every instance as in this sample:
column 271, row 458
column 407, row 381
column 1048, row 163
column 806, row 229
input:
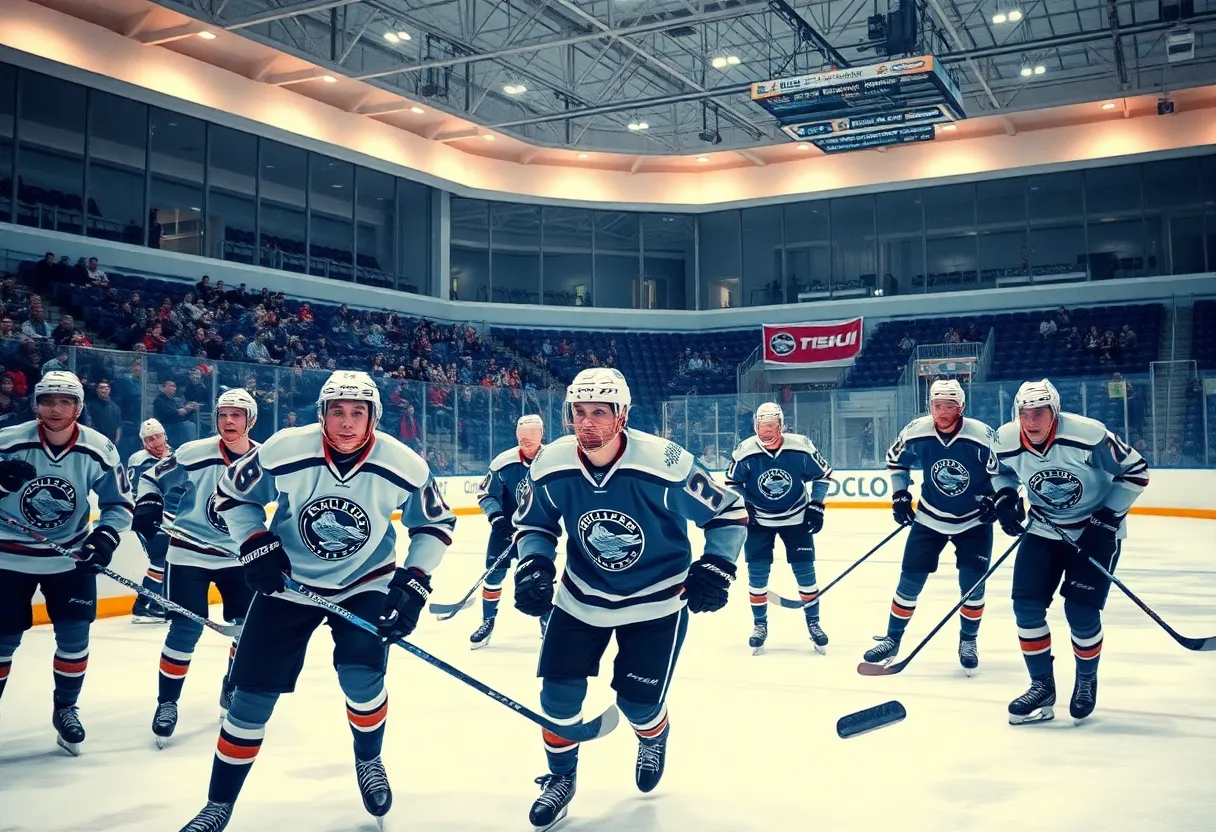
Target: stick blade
column 867, row 669
column 446, row 611
column 871, row 719
column 1205, row 645
column 231, row 630
column 601, row 726
column 784, row 603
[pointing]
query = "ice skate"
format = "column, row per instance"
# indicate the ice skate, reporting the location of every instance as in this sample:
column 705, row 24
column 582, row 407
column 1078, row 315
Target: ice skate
column 164, row 722
column 883, row 652
column 70, row 731
column 968, row 656
column 1035, row 704
column 145, row 612
column 213, row 818
column 759, row 636
column 557, row 790
column 373, row 785
column 481, row 636
column 652, row 757
column 1084, row 697
column 818, row 636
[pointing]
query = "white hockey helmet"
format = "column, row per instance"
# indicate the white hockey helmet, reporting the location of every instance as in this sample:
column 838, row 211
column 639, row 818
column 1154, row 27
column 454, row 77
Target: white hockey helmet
column 769, row 412
column 1040, row 393
column 948, row 389
column 350, row 386
column 61, row 383
column 530, row 420
column 603, row 385
column 150, row 427
column 238, row 397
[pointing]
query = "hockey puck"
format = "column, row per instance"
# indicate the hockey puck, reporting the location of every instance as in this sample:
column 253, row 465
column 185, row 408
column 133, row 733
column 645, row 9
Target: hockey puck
column 871, row 719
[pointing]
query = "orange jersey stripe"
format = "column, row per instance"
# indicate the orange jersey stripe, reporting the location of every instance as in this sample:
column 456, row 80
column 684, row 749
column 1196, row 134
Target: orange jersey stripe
column 368, row 720
column 237, row 752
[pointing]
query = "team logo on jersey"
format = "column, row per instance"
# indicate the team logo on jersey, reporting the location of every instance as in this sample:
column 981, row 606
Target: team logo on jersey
column 775, row 483
column 1056, row 487
column 613, row 540
column 520, row 490
column 334, row 528
column 782, row 343
column 48, row 502
column 950, row 476
column 214, row 517
column 672, row 454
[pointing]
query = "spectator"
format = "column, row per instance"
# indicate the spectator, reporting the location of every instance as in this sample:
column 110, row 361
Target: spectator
column 44, row 273
column 60, row 363
column 104, row 415
column 1048, row 327
column 256, row 351
column 1127, row 339
column 190, row 310
column 1172, row 455
column 96, row 276
column 1063, row 321
column 177, row 420
column 907, row 343
column 204, row 290
column 37, row 326
column 292, row 420
column 1093, row 341
column 154, row 341
column 196, row 389
column 7, row 329
column 14, row 408
column 305, row 314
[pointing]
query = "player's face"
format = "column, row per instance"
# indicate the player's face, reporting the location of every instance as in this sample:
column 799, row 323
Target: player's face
column 595, row 424
column 768, row 431
column 232, row 423
column 347, row 425
column 156, row 444
column 529, row 440
column 946, row 414
column 57, row 412
column 1036, row 423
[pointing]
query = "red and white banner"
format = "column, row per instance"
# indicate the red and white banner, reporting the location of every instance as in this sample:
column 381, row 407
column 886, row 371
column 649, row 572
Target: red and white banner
column 824, row 344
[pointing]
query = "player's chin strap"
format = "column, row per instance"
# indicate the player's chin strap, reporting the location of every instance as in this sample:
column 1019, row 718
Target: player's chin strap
column 601, row 726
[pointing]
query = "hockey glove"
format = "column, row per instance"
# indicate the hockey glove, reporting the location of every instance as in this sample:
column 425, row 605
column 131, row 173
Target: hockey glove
column 149, row 514
column 15, row 473
column 266, row 563
column 901, row 507
column 1098, row 538
column 407, row 594
column 501, row 526
column 814, row 517
column 98, row 549
column 1006, row 507
column 534, row 585
column 707, row 583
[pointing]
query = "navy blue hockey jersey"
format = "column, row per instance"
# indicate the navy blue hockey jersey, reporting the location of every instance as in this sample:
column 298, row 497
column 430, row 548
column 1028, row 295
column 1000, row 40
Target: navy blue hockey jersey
column 627, row 548
column 773, row 483
column 957, row 471
column 500, row 490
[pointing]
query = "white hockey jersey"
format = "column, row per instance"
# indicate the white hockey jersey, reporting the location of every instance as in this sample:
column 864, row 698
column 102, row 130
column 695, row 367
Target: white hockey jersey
column 1083, row 468
column 627, row 547
column 56, row 502
column 191, row 474
column 336, row 527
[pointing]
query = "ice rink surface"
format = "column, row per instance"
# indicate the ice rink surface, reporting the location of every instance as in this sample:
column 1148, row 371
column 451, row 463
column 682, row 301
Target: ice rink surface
column 753, row 743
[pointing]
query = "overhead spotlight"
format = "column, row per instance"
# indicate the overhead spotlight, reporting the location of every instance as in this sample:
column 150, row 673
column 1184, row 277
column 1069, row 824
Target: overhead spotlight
column 417, row 110
column 404, row 36
column 1026, row 72
column 702, row 159
column 1109, row 105
column 719, row 62
column 723, row 61
column 1040, row 69
column 391, row 37
column 999, row 18
column 1015, row 15
column 733, row 60
column 329, row 79
column 514, row 89
column 207, row 35
column 638, row 125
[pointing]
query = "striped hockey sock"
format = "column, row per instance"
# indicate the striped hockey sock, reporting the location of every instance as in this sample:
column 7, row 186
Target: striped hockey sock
column 174, row 665
column 808, row 589
column 972, row 611
column 561, row 754
column 652, row 729
column 235, row 751
column 1036, row 648
column 903, row 603
column 367, row 720
column 69, row 670
column 154, row 579
column 490, row 596
column 1088, row 651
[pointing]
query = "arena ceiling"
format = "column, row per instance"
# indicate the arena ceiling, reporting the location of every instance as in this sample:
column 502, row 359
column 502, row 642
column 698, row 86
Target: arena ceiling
column 584, row 74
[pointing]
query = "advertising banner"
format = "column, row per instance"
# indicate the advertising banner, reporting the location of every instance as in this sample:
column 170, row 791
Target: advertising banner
column 824, row 344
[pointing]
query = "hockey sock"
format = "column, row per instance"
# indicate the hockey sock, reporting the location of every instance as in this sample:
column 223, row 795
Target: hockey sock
column 8, row 646
column 1086, row 625
column 1034, row 635
column 154, row 580
column 808, row 589
column 366, row 707
column 561, row 700
column 175, row 657
column 649, row 721
column 71, row 660
column 491, row 592
column 971, row 612
column 903, row 604
column 757, row 587
column 240, row 740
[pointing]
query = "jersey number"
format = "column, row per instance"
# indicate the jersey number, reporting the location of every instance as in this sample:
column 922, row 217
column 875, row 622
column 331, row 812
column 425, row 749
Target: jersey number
column 432, row 502
column 1118, row 448
column 705, row 490
column 246, row 475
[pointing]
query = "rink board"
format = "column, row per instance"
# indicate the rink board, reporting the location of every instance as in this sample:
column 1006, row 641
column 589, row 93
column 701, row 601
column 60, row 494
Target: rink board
column 1172, row 493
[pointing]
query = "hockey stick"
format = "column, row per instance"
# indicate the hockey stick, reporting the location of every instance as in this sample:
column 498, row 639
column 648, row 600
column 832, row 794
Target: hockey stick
column 446, row 611
column 789, row 604
column 1202, row 645
column 601, row 726
column 229, row 630
column 867, row 669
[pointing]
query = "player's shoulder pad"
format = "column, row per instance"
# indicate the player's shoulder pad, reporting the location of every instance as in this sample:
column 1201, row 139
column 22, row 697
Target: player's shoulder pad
column 976, row 431
column 1008, row 438
column 504, row 459
column 19, row 434
column 391, row 453
column 1082, row 430
column 135, row 459
column 657, row 456
column 291, row 444
column 96, row 441
column 921, row 427
column 198, row 450
column 559, row 455
column 798, row 442
column 748, row 447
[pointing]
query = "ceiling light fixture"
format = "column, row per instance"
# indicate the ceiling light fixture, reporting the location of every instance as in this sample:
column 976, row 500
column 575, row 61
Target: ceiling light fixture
column 391, row 37
column 1015, row 15
column 514, row 89
column 999, row 18
column 1026, row 72
column 1040, row 69
column 207, row 35
column 404, row 36
column 719, row 62
column 733, row 60
column 638, row 125
column 723, row 61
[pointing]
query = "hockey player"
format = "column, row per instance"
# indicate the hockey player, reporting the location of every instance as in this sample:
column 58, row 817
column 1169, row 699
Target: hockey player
column 336, row 484
column 955, row 457
column 156, row 447
column 498, row 496
column 48, row 468
column 191, row 474
column 626, row 498
column 770, row 471
column 1084, row 479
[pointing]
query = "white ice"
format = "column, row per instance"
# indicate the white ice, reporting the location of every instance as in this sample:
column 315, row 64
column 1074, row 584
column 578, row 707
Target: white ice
column 753, row 743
